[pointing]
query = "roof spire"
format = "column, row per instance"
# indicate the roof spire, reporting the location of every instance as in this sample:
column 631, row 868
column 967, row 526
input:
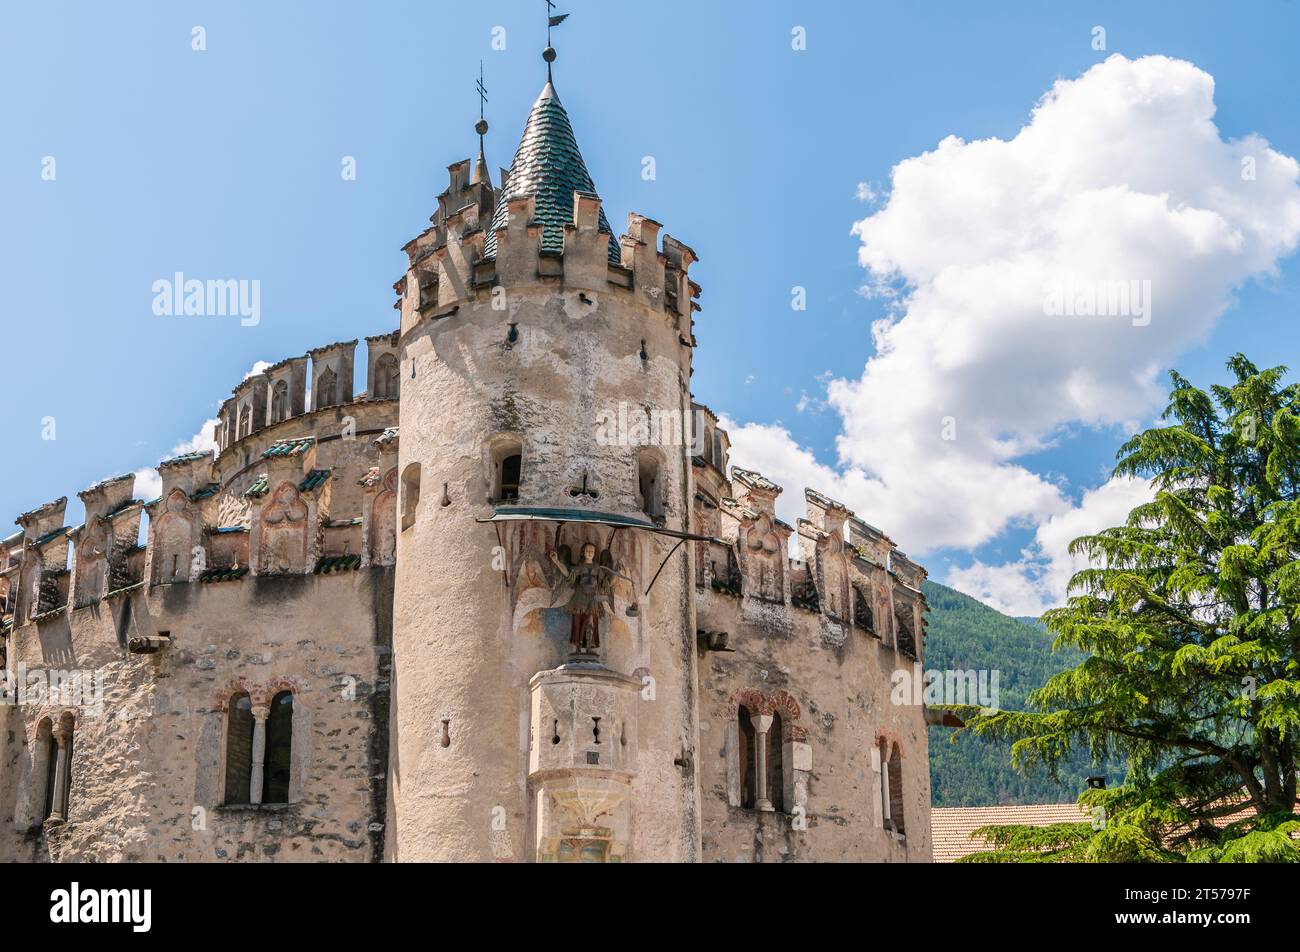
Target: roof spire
column 481, row 127
column 552, row 20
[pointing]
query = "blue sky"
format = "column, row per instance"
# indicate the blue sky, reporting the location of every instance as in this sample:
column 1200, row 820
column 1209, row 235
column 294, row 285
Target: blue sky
column 226, row 163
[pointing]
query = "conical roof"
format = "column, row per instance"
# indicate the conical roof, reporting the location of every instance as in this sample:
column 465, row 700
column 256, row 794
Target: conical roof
column 548, row 166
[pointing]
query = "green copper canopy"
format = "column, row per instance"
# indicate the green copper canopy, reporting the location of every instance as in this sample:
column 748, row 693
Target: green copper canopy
column 549, row 167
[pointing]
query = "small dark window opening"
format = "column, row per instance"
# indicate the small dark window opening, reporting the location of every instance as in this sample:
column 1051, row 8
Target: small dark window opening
column 896, row 791
column 748, row 759
column 510, row 470
column 279, row 744
column 51, row 771
column 239, row 750
column 648, row 486
column 775, row 767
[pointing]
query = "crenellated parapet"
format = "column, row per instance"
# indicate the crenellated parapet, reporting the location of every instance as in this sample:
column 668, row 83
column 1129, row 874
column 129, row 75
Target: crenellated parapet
column 323, row 376
column 106, row 544
column 846, row 571
column 286, row 384
column 545, row 225
column 176, row 518
column 43, row 577
column 448, row 268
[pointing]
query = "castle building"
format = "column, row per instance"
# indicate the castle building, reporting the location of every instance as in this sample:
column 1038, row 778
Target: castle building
column 511, row 603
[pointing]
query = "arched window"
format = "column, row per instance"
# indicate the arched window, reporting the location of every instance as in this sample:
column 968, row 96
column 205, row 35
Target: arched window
column 775, row 766
column 44, row 760
column 384, row 386
column 507, row 470
column 280, row 401
column 410, row 494
column 279, row 743
column 748, row 760
column 648, row 488
column 239, row 749
column 895, row 775
column 245, row 421
column 52, row 768
column 326, row 389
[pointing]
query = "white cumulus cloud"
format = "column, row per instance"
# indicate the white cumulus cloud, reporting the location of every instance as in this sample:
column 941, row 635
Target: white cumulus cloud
column 1119, row 175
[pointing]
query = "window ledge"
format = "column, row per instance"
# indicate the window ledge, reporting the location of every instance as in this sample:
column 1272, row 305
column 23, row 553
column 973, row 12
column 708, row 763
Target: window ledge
column 254, row 807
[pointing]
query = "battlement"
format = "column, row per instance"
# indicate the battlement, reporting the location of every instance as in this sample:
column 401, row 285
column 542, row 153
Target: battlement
column 451, row 264
column 545, row 224
column 855, row 580
column 281, row 392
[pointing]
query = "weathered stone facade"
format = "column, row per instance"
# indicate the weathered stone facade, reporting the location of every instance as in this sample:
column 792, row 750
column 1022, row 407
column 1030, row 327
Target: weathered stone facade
column 342, row 644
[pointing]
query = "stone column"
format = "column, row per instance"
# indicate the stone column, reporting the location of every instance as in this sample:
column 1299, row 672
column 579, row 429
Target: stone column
column 259, row 754
column 59, row 804
column 761, row 722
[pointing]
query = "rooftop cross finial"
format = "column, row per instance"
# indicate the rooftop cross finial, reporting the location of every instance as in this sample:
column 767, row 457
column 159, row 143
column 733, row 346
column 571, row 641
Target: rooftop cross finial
column 481, row 127
column 552, row 20
column 482, row 91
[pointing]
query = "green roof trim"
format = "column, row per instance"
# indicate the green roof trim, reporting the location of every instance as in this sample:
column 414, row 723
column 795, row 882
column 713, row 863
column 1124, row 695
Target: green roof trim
column 223, row 575
column 337, row 563
column 549, row 167
column 51, row 536
column 314, row 479
column 289, row 447
column 260, row 487
column 187, row 458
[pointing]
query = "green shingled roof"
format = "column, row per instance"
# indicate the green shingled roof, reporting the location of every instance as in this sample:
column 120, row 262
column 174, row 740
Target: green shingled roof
column 314, row 479
column 223, row 575
column 289, row 447
column 549, row 167
column 337, row 563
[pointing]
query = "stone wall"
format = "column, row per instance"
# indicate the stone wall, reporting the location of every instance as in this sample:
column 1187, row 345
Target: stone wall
column 147, row 771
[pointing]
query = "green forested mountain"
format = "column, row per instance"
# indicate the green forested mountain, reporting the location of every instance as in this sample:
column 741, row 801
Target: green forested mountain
column 968, row 635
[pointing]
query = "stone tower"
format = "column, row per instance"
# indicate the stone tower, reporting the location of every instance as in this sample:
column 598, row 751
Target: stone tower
column 545, row 420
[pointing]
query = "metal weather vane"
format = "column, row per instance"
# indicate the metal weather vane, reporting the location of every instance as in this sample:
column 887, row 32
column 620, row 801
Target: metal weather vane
column 552, row 20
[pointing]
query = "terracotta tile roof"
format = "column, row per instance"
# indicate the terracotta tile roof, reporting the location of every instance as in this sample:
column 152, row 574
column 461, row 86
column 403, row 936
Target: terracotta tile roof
column 950, row 827
column 371, row 477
